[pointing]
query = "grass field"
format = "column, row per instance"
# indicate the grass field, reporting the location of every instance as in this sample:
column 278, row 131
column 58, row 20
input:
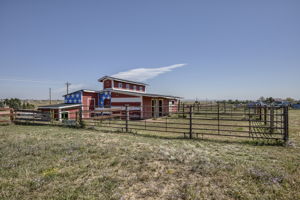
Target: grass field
column 44, row 162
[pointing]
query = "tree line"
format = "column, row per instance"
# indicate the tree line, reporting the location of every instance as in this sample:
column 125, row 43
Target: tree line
column 16, row 103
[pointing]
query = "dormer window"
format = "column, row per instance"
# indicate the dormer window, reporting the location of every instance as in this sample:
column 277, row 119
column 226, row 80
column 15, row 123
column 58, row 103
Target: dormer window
column 127, row 86
column 134, row 87
column 120, row 85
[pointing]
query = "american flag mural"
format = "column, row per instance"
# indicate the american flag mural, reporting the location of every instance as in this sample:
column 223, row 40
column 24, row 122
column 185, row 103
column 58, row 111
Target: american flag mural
column 73, row 98
column 103, row 96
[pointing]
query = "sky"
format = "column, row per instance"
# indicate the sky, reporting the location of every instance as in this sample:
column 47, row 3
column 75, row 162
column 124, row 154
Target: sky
column 205, row 49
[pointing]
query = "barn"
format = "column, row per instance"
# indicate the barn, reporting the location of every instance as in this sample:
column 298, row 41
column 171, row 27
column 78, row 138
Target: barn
column 115, row 94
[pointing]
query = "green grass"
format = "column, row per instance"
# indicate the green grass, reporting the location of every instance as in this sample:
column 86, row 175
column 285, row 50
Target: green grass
column 48, row 162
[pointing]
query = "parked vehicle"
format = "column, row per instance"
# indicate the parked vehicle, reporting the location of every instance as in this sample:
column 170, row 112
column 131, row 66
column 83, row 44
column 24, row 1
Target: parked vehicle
column 296, row 106
column 281, row 103
column 256, row 104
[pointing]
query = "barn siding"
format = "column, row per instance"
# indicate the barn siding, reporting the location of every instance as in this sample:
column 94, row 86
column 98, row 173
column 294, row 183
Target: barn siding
column 89, row 102
column 107, row 84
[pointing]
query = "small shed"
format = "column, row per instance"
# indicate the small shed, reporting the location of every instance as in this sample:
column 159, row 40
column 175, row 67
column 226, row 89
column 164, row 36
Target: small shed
column 62, row 111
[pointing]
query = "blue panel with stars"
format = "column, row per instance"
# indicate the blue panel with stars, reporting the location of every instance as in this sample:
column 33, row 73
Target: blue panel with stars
column 73, row 98
column 103, row 96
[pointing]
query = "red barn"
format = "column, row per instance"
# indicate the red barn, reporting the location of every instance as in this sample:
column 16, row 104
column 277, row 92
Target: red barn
column 116, row 93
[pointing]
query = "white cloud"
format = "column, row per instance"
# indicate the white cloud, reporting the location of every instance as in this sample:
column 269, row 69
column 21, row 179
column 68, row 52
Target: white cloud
column 143, row 74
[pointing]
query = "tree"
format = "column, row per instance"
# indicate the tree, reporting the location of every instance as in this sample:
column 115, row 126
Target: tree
column 16, row 103
column 262, row 99
column 291, row 100
column 270, row 100
column 13, row 103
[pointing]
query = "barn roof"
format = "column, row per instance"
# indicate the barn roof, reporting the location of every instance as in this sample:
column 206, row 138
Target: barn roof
column 83, row 90
column 122, row 80
column 59, row 106
column 142, row 94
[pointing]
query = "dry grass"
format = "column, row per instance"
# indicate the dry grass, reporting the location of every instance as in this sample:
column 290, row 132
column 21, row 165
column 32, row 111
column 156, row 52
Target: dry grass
column 44, row 162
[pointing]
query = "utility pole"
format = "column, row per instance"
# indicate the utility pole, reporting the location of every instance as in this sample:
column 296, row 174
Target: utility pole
column 68, row 84
column 50, row 95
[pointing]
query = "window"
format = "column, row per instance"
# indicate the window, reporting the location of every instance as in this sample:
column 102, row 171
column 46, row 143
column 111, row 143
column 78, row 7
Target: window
column 134, row 87
column 120, row 85
column 141, row 88
column 64, row 115
column 127, row 86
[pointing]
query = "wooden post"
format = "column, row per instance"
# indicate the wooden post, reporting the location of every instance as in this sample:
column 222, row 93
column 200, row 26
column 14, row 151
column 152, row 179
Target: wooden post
column 12, row 117
column 51, row 116
column 286, row 124
column 127, row 118
column 190, row 113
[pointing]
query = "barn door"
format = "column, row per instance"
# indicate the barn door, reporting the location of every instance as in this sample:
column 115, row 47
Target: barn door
column 157, row 108
column 91, row 104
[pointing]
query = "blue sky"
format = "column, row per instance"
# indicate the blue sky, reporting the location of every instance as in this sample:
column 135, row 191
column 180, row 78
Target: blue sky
column 220, row 49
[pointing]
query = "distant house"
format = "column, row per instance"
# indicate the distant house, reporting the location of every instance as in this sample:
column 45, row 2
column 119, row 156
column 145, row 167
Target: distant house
column 116, row 93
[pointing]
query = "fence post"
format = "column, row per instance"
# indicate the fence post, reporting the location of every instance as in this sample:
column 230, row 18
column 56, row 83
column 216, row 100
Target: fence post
column 190, row 113
column 218, row 118
column 266, row 114
column 260, row 113
column 51, row 116
column 11, row 115
column 127, row 118
column 286, row 124
column 183, row 110
column 80, row 117
column 272, row 120
column 249, row 118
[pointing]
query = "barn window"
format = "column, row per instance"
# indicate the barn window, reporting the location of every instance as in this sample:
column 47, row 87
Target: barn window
column 127, row 86
column 120, row 85
column 64, row 115
column 134, row 87
column 141, row 88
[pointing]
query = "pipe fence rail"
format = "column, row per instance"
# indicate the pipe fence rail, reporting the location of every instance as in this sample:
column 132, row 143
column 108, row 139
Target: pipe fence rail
column 192, row 121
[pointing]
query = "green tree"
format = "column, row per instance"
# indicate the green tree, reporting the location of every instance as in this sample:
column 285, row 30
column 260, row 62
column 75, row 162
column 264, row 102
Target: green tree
column 291, row 100
column 270, row 100
column 14, row 103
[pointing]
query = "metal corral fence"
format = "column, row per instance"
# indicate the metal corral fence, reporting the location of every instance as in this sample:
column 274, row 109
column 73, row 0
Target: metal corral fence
column 192, row 121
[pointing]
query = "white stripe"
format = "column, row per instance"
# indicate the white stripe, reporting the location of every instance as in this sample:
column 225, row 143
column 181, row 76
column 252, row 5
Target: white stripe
column 129, row 107
column 125, row 100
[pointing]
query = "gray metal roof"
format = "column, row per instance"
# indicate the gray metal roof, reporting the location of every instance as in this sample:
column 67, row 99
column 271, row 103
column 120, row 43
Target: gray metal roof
column 122, row 80
column 142, row 94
